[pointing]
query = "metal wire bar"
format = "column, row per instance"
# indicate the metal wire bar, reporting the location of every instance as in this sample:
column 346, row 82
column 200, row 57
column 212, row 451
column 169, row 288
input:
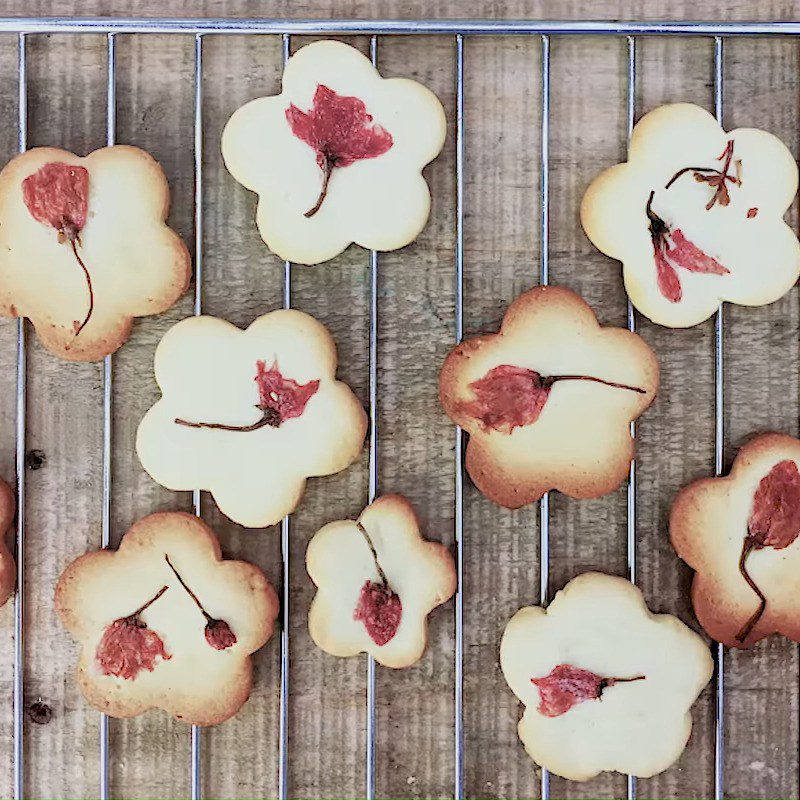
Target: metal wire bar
column 283, row 724
column 466, row 27
column 719, row 445
column 19, row 597
column 459, row 467
column 196, row 751
column 105, row 537
column 631, row 542
column 373, row 472
column 544, row 279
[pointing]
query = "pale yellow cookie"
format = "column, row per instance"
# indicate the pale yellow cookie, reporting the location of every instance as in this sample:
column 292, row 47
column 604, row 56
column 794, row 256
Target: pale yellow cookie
column 377, row 580
column 745, row 526
column 8, row 572
column 249, row 415
column 696, row 216
column 188, row 651
column 607, row 686
column 84, row 246
column 526, row 439
column 336, row 119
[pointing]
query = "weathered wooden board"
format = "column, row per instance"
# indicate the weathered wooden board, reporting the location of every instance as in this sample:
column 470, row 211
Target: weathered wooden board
column 327, row 713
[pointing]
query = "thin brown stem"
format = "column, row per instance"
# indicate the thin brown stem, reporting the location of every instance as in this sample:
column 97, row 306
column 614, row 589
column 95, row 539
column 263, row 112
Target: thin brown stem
column 658, row 228
column 191, row 594
column 747, row 628
column 371, row 546
column 148, row 603
column 606, row 682
column 706, row 170
column 271, row 418
column 73, row 242
column 326, row 177
column 551, row 379
column 714, row 177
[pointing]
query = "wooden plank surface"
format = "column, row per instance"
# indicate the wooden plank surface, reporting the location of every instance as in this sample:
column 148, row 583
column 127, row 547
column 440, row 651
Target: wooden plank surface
column 327, row 713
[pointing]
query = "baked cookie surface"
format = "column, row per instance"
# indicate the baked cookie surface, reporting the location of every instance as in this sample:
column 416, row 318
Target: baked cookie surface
column 607, row 685
column 696, row 216
column 165, row 623
column 337, row 157
column 8, row 573
column 377, row 580
column 739, row 533
column 548, row 400
column 249, row 415
column 84, row 246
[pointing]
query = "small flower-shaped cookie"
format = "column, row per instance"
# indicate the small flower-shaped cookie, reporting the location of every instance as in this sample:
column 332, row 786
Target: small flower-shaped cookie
column 249, row 415
column 607, row 685
column 165, row 623
column 548, row 400
column 740, row 535
column 696, row 216
column 337, row 157
column 377, row 581
column 84, row 246
column 8, row 575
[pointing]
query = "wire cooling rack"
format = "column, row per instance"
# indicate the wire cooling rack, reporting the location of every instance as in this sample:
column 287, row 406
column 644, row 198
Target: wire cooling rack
column 374, row 28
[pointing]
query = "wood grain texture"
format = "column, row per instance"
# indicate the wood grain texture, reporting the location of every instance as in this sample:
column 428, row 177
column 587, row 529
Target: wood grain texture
column 327, row 712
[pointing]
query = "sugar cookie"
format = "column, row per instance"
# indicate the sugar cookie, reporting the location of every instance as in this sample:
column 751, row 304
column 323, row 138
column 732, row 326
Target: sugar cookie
column 165, row 622
column 548, row 400
column 337, row 157
column 249, row 415
column 84, row 246
column 607, row 685
column 377, row 580
column 739, row 534
column 696, row 216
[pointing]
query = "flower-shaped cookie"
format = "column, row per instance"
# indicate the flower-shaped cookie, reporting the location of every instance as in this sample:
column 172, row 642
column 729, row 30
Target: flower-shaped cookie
column 165, row 623
column 696, row 216
column 84, row 246
column 249, row 415
column 607, row 685
column 548, row 400
column 740, row 535
column 8, row 574
column 337, row 157
column 377, row 581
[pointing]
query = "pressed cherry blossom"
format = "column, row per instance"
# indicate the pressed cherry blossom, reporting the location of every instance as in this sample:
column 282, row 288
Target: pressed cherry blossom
column 717, row 179
column 566, row 686
column 509, row 397
column 774, row 522
column 340, row 131
column 281, row 398
column 380, row 609
column 128, row 646
column 57, row 195
column 682, row 253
